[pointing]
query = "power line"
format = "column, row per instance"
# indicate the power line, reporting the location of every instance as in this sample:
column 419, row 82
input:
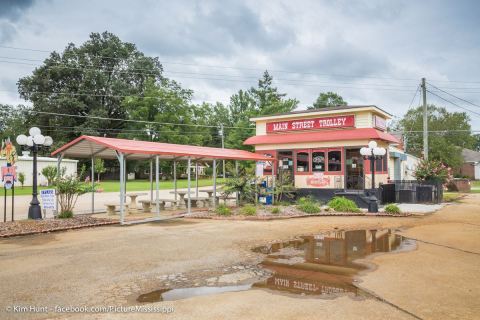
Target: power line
column 473, row 104
column 245, row 68
column 453, row 103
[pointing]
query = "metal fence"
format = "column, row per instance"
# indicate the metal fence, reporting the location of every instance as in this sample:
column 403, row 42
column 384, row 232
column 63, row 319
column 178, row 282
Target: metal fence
column 411, row 191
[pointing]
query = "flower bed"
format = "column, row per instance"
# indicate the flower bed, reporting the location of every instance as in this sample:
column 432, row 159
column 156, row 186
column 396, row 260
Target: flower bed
column 286, row 212
column 27, row 227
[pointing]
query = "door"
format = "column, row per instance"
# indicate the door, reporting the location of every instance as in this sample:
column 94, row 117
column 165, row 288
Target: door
column 285, row 166
column 354, row 169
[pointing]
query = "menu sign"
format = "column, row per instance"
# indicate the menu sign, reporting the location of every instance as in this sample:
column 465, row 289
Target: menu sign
column 309, row 124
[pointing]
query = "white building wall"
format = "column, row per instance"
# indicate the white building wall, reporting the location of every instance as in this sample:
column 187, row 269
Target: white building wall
column 25, row 164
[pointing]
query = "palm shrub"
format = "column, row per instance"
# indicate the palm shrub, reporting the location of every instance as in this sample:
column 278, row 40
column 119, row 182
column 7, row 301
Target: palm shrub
column 392, row 208
column 21, row 178
column 342, row 204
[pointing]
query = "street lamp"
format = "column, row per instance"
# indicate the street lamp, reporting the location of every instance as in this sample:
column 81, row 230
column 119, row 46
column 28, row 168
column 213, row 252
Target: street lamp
column 372, row 153
column 34, row 142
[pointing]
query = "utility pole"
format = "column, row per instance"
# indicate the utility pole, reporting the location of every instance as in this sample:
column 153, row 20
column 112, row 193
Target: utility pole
column 221, row 132
column 425, row 120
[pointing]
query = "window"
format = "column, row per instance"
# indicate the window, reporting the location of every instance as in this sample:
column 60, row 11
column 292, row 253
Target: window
column 334, row 161
column 302, row 162
column 381, row 164
column 318, row 161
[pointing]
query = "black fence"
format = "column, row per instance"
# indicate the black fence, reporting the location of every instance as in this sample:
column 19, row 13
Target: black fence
column 411, row 191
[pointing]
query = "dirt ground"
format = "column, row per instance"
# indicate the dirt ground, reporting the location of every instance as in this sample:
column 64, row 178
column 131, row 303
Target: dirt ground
column 113, row 265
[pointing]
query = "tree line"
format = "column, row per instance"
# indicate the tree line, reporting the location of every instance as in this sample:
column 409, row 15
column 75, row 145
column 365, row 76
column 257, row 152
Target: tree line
column 107, row 87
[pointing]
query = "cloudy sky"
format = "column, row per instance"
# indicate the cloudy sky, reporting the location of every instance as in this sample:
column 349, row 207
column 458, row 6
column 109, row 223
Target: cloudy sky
column 370, row 52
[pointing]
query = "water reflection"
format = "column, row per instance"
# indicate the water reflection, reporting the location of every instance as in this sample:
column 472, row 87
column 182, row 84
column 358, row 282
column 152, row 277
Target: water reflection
column 324, row 263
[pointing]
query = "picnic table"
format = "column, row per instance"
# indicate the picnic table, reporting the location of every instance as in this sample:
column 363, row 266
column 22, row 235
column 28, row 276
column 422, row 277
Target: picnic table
column 211, row 197
column 133, row 199
column 182, row 194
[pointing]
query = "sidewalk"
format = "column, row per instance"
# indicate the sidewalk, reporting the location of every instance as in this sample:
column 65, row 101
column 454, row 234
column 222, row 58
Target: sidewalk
column 83, row 204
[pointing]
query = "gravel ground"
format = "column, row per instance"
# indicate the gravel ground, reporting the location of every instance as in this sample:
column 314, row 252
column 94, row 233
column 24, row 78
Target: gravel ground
column 114, row 265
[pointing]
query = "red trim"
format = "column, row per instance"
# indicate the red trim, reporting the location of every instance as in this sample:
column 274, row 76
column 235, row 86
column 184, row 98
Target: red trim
column 366, row 167
column 322, row 136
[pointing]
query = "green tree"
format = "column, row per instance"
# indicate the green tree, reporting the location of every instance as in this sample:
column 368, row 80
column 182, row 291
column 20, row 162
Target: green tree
column 328, row 99
column 21, row 178
column 50, row 172
column 90, row 80
column 257, row 101
column 13, row 121
column 99, row 167
column 449, row 132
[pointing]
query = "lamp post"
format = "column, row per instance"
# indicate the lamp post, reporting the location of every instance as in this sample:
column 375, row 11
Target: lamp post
column 372, row 153
column 34, row 142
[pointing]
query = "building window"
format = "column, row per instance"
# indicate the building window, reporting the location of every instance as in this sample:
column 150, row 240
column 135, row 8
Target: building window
column 302, row 162
column 318, row 161
column 334, row 161
column 381, row 164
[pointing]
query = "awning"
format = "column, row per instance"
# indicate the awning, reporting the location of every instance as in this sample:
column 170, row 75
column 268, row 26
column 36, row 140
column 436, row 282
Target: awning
column 322, row 136
column 106, row 148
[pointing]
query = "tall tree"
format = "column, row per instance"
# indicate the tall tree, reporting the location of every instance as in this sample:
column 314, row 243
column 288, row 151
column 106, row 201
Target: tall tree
column 328, row 99
column 89, row 80
column 13, row 121
column 449, row 132
column 257, row 101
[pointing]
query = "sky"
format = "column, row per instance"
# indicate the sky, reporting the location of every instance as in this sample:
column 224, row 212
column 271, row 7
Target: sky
column 370, row 52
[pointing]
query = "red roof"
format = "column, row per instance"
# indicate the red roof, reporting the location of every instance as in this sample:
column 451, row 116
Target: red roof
column 322, row 136
column 88, row 146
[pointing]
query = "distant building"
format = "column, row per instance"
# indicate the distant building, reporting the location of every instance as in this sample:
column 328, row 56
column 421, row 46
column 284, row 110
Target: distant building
column 471, row 164
column 25, row 164
column 402, row 165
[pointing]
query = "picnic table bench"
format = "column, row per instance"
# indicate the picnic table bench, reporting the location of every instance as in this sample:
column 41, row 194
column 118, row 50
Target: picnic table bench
column 147, row 204
column 112, row 206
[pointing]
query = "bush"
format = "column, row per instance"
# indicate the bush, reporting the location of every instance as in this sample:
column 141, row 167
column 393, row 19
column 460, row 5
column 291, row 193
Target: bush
column 223, row 210
column 249, row 210
column 392, row 208
column 308, row 205
column 275, row 210
column 342, row 204
column 65, row 215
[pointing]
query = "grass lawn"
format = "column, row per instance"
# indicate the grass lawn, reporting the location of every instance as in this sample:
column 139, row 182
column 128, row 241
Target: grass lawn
column 135, row 185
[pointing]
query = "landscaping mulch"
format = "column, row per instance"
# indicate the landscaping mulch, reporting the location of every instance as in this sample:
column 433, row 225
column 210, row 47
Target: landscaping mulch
column 27, row 227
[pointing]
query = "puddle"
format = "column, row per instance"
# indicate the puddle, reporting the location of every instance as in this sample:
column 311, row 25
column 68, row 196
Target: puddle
column 325, row 264
column 321, row 265
column 183, row 293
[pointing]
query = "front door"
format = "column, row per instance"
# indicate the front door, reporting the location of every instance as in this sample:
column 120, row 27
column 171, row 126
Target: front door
column 354, row 169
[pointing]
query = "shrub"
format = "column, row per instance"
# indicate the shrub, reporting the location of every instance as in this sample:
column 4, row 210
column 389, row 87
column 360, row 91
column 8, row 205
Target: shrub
column 21, row 178
column 275, row 210
column 342, row 204
column 223, row 210
column 308, row 205
column 65, row 215
column 68, row 190
column 249, row 210
column 392, row 208
column 50, row 173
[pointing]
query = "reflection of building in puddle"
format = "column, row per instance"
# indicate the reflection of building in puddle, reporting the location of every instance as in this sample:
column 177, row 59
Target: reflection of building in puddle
column 324, row 264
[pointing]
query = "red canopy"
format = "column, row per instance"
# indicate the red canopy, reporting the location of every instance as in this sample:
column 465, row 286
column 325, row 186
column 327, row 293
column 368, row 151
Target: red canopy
column 106, row 148
column 322, row 136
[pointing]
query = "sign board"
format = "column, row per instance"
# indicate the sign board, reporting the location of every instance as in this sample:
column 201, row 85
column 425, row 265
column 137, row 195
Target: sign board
column 259, row 169
column 48, row 198
column 311, row 124
column 379, row 123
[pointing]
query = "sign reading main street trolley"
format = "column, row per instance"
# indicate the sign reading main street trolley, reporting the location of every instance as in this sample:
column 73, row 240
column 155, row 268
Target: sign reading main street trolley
column 310, row 124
